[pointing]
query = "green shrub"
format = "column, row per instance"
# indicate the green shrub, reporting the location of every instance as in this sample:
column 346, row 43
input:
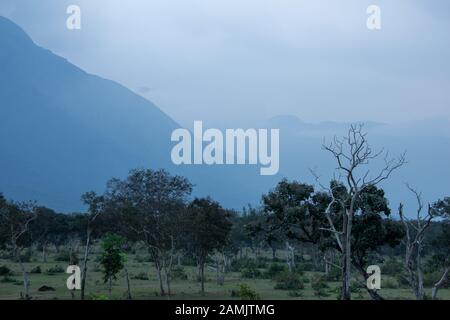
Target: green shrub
column 392, row 267
column 305, row 266
column 5, row 271
column 95, row 296
column 179, row 273
column 8, row 279
column 274, row 270
column 250, row 273
column 244, row 263
column 141, row 259
column 289, row 281
column 320, row 286
column 334, row 274
column 390, row 284
column 141, row 276
column 246, row 293
column 36, row 269
column 53, row 270
column 295, row 293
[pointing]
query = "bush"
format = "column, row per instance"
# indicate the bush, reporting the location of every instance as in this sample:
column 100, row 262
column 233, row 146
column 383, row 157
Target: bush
column 305, row 266
column 8, row 279
column 402, row 279
column 5, row 271
column 26, row 257
column 289, row 281
column 67, row 256
column 274, row 270
column 246, row 293
column 141, row 276
column 245, row 263
column 36, row 269
column 295, row 294
column 141, row 259
column 392, row 267
column 334, row 274
column 390, row 284
column 179, row 273
column 250, row 273
column 53, row 270
column 94, row 296
column 320, row 286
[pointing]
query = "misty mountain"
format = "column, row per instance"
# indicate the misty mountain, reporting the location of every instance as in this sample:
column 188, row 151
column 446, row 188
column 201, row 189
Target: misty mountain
column 64, row 132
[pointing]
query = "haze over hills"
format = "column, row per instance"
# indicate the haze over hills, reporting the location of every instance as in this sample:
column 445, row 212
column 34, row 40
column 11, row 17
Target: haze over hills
column 64, row 132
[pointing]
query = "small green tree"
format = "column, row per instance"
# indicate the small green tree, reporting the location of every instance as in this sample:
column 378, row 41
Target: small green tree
column 112, row 258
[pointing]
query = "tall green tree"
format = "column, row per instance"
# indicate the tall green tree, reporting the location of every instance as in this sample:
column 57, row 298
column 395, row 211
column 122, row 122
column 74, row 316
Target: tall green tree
column 206, row 226
column 112, row 259
column 150, row 204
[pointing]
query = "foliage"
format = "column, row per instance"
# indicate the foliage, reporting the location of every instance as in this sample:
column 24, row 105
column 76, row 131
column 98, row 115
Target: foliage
column 319, row 286
column 251, row 273
column 274, row 270
column 288, row 281
column 5, row 271
column 55, row 269
column 112, row 258
column 247, row 293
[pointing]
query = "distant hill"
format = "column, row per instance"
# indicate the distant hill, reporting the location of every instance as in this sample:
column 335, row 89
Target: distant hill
column 64, row 132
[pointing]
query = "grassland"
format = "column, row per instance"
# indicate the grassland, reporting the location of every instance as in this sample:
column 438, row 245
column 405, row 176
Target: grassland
column 189, row 288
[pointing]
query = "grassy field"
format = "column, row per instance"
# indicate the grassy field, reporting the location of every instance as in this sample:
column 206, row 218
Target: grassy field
column 181, row 289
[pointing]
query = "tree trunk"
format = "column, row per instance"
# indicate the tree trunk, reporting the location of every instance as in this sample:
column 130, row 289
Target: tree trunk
column 346, row 270
column 127, row 280
column 159, row 274
column 202, row 270
column 44, row 252
column 110, row 288
column 419, row 292
column 440, row 283
column 85, row 263
column 26, row 282
column 274, row 253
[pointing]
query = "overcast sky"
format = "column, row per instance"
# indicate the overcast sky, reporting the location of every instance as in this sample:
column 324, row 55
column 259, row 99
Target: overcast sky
column 235, row 62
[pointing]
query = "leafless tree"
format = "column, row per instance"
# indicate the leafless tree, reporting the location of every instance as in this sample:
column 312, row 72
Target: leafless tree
column 352, row 154
column 414, row 241
column 17, row 219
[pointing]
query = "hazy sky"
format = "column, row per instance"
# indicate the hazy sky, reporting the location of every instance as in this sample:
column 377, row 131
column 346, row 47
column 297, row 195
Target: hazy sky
column 243, row 61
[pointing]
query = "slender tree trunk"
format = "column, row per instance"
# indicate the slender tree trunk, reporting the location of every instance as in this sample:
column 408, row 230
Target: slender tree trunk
column 85, row 265
column 274, row 253
column 440, row 283
column 110, row 288
column 346, row 270
column 202, row 270
column 127, row 280
column 44, row 252
column 420, row 291
column 159, row 274
column 26, row 282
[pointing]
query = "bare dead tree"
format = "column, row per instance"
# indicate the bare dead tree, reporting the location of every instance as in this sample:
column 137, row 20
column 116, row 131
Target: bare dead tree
column 414, row 241
column 17, row 219
column 352, row 154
